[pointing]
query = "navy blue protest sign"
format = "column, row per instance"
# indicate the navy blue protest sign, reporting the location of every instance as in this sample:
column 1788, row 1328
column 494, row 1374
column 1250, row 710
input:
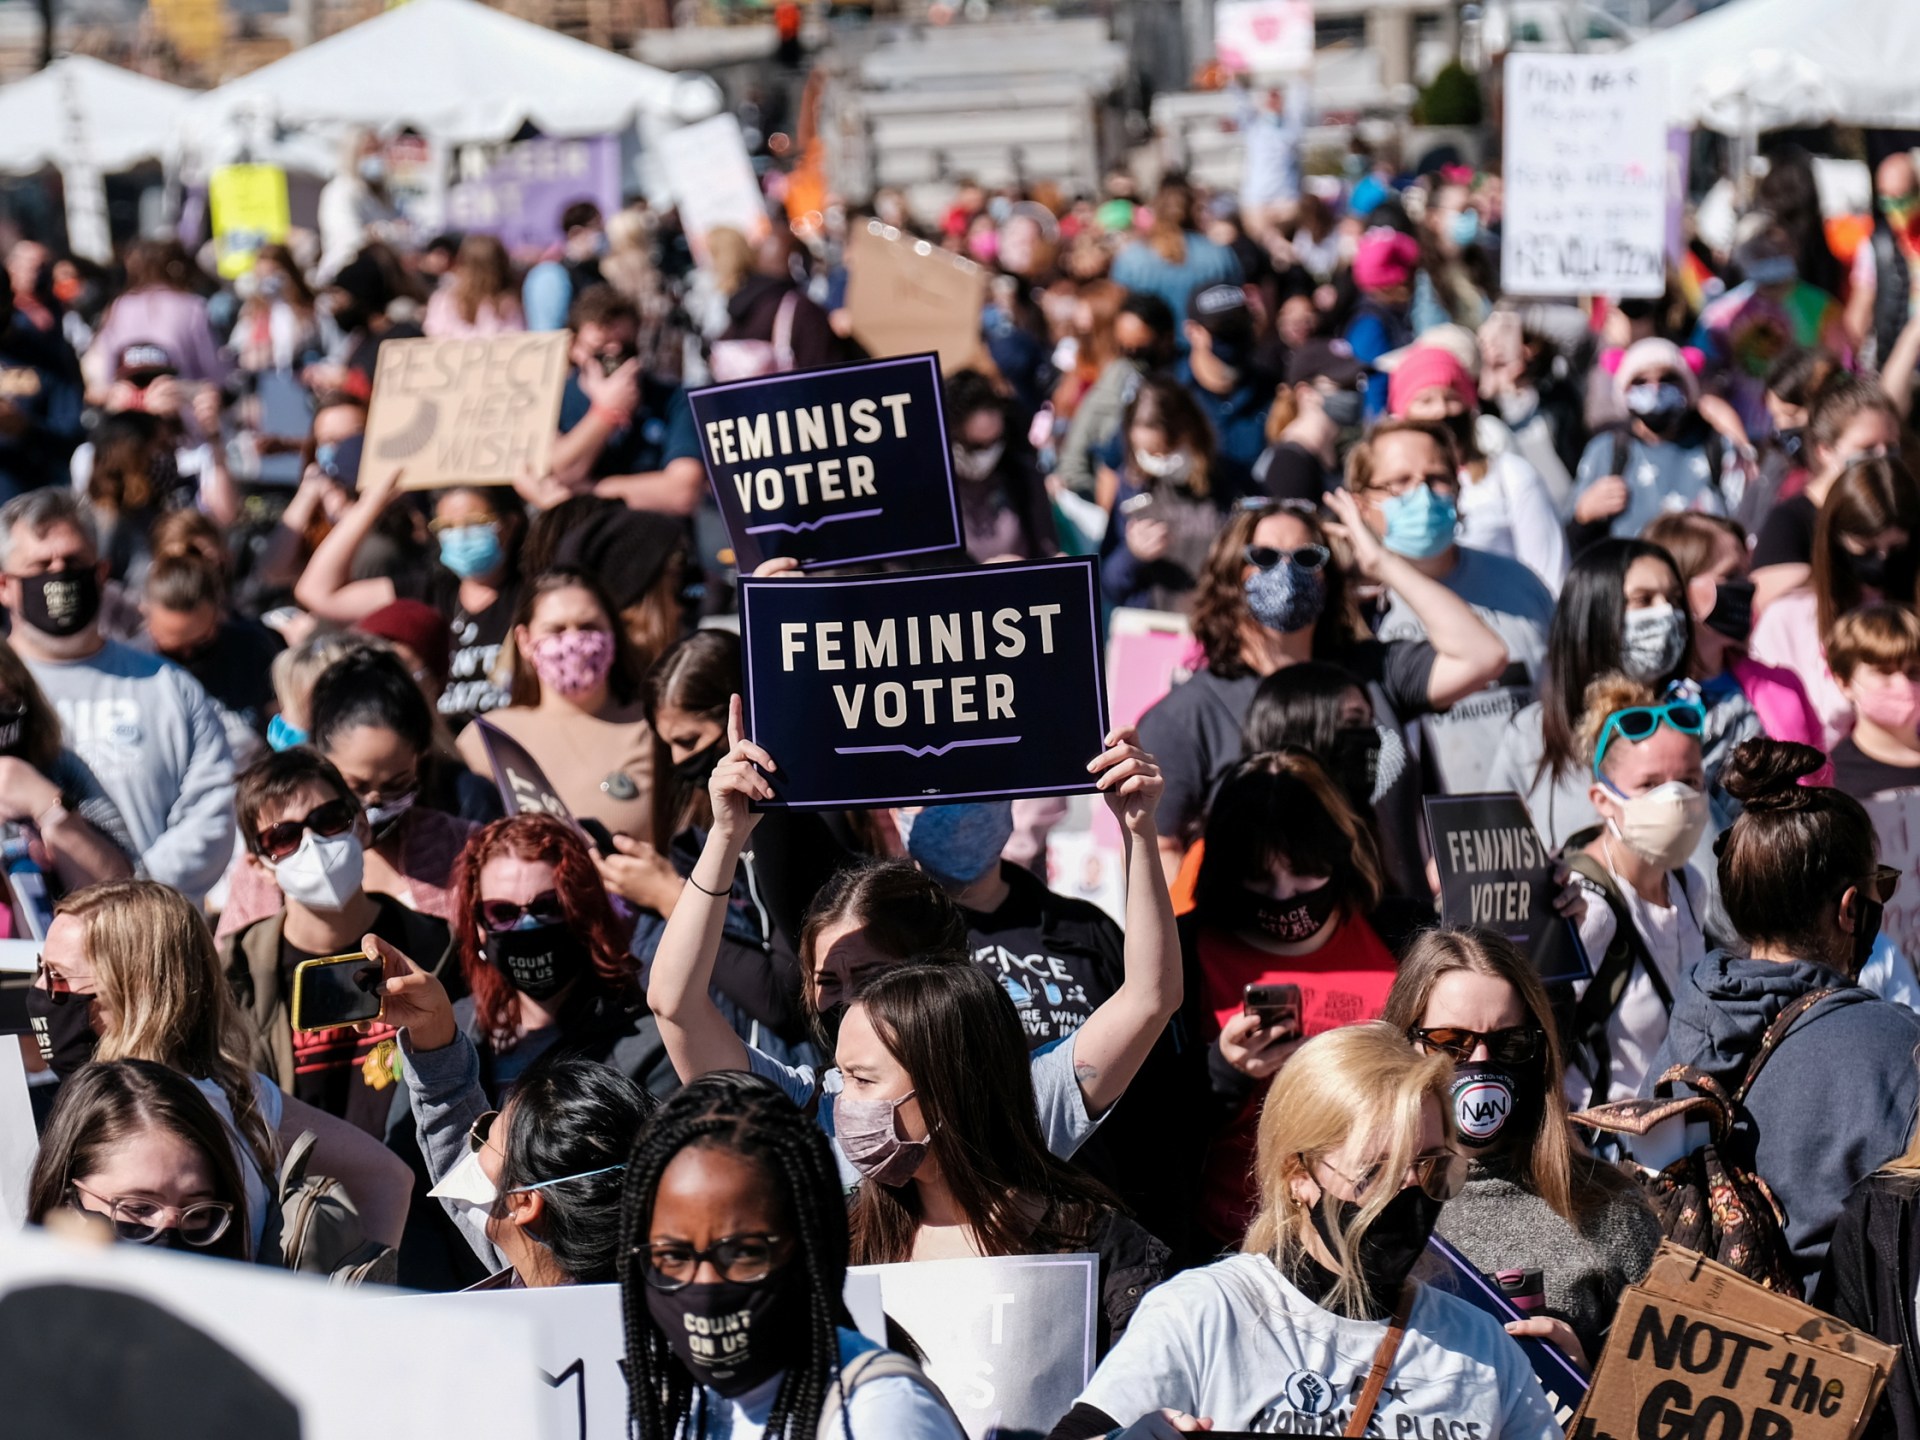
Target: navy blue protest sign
column 1496, row 874
column 920, row 688
column 833, row 466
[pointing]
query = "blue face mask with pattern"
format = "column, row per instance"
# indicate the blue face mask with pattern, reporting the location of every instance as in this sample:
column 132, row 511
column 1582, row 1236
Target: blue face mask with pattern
column 957, row 844
column 1286, row 598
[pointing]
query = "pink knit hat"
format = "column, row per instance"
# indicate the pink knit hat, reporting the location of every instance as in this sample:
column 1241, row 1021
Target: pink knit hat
column 1423, row 367
column 1384, row 259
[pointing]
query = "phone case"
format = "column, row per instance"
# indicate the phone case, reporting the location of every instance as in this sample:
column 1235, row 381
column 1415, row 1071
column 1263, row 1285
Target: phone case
column 340, row 1024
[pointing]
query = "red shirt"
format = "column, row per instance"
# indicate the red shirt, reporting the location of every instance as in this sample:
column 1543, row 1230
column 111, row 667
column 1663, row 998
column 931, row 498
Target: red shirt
column 1343, row 982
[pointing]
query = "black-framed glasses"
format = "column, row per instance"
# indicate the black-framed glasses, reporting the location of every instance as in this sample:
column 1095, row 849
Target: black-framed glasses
column 1305, row 557
column 743, row 1259
column 1440, row 1173
column 502, row 915
column 1515, row 1046
column 333, row 818
column 141, row 1222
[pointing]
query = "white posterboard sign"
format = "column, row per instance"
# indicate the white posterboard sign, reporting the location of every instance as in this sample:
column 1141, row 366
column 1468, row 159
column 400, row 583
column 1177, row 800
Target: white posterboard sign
column 219, row 1348
column 580, row 1353
column 18, row 1141
column 1264, row 37
column 1896, row 823
column 711, row 179
column 1586, row 177
column 1009, row 1340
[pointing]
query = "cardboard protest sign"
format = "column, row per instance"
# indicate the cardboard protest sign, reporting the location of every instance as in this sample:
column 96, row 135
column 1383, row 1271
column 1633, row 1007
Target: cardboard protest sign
column 1264, row 37
column 832, row 466
column 922, row 688
column 179, row 1345
column 1586, row 176
column 1496, row 874
column 580, row 1353
column 1008, row 1340
column 474, row 411
column 1698, row 1350
column 906, row 295
column 710, row 176
column 1445, row 1268
column 248, row 207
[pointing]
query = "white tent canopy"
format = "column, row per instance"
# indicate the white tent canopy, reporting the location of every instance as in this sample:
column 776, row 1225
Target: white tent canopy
column 1758, row 65
column 85, row 112
column 458, row 72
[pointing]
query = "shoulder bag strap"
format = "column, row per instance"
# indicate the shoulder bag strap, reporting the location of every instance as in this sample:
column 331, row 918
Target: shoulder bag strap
column 1382, row 1363
column 783, row 330
column 1776, row 1032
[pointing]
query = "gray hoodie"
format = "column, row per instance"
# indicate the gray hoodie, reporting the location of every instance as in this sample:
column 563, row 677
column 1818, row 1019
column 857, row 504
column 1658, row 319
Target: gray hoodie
column 1835, row 1101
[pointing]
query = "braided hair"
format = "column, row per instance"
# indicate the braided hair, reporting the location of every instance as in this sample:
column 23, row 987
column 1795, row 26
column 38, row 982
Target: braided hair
column 749, row 1117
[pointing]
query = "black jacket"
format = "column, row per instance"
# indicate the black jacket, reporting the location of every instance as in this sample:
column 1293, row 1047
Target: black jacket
column 1869, row 1283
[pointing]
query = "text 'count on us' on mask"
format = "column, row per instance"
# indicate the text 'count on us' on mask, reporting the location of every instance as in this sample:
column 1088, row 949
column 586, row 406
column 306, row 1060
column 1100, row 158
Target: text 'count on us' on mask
column 956, row 637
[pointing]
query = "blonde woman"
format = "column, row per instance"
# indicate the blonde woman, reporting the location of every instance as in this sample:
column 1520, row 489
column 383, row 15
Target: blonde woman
column 129, row 972
column 479, row 296
column 1357, row 1154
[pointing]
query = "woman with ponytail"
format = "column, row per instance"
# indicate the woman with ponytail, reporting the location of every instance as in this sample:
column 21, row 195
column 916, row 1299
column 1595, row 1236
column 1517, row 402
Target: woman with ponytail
column 1836, row 1099
column 732, row 1259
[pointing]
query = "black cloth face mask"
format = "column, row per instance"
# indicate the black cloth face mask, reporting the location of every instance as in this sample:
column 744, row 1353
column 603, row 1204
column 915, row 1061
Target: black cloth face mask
column 1288, row 921
column 730, row 1336
column 63, row 1028
column 1732, row 613
column 1392, row 1245
column 540, row 962
column 61, row 603
column 694, row 771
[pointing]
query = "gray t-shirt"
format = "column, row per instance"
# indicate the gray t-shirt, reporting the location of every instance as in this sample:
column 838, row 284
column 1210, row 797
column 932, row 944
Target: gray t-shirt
column 1062, row 1109
column 1660, row 478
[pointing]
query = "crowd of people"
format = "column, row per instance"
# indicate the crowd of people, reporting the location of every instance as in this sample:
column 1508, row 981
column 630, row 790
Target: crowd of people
column 1652, row 566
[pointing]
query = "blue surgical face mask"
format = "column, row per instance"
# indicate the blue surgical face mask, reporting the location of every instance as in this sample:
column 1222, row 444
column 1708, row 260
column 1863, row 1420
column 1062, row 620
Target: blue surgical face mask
column 1465, row 227
column 957, row 844
column 282, row 735
column 1420, row 523
column 470, row 550
column 1285, row 597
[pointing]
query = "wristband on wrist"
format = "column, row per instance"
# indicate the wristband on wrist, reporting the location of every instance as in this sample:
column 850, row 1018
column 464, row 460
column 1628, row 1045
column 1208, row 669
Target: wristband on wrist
column 614, row 419
column 716, row 894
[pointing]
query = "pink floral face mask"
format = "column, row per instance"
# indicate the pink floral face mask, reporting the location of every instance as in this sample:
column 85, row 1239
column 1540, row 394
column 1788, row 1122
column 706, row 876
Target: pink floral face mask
column 572, row 662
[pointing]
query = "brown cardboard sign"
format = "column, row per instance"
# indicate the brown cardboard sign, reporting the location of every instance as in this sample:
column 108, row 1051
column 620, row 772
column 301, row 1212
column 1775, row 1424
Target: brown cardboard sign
column 905, row 296
column 1698, row 1352
column 473, row 411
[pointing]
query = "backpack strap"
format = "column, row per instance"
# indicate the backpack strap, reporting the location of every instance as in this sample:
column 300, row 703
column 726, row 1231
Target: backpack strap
column 1622, row 439
column 835, row 1423
column 293, row 1165
column 783, row 329
column 1610, row 980
column 1776, row 1032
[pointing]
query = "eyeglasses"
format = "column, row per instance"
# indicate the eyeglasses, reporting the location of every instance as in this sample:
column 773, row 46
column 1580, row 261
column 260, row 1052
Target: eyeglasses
column 1304, row 557
column 1439, row 480
column 1440, row 1174
column 141, row 1222
column 482, row 1127
column 503, row 915
column 1507, row 1047
column 1637, row 722
column 59, row 989
column 743, row 1259
column 437, row 526
column 333, row 818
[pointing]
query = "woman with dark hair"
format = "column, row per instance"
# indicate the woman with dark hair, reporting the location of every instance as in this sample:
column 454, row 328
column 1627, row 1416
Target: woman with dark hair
column 733, row 1216
column 1075, row 1080
column 475, row 582
column 795, row 853
column 82, row 838
column 574, row 704
column 1174, row 259
column 1863, row 554
column 1534, row 1199
column 937, row 1115
column 275, row 328
column 1837, row 1097
column 1004, row 509
column 136, row 1145
column 534, row 1185
column 545, row 958
column 160, row 306
column 1848, row 417
column 1623, row 609
column 1286, row 887
column 368, row 719
column 1273, row 593
column 1164, row 502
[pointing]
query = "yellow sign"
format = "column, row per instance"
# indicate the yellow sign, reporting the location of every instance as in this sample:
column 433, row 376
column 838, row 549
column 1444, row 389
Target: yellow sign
column 249, row 205
column 196, row 28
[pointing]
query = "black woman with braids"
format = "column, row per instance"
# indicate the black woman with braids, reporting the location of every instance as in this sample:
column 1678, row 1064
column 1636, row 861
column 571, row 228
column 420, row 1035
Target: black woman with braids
column 733, row 1254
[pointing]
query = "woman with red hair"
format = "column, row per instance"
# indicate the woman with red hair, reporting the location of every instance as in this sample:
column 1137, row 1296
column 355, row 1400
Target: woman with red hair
column 546, row 959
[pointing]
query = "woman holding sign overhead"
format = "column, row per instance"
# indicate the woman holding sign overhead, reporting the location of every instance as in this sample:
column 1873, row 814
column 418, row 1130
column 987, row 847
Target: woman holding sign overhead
column 1074, row 1082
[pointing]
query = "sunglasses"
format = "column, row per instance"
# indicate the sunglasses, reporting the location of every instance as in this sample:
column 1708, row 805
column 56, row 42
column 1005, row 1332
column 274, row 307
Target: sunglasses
column 335, row 817
column 1306, row 557
column 500, row 916
column 1637, row 722
column 1879, row 887
column 1506, row 1047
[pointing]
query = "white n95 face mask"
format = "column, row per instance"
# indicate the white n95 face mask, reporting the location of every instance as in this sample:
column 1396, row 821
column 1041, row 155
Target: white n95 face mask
column 324, row 873
column 467, row 1184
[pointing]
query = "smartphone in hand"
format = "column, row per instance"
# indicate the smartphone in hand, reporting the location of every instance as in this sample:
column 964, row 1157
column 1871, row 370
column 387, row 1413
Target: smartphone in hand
column 1278, row 1007
column 337, row 990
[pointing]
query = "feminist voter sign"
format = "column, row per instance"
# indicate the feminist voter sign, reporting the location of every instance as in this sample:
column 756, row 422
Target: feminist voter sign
column 923, row 688
column 831, row 466
column 1495, row 874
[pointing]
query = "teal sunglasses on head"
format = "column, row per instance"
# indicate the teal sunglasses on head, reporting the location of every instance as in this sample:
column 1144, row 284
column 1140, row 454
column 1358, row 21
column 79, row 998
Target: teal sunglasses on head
column 1637, row 722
